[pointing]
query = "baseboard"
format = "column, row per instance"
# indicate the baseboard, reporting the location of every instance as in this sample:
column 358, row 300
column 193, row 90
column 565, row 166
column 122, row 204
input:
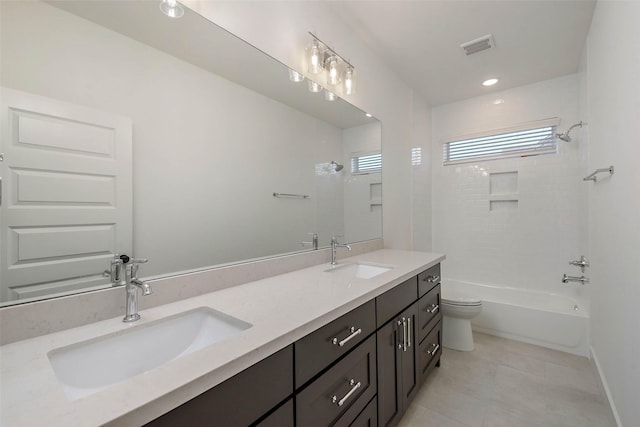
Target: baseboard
column 605, row 387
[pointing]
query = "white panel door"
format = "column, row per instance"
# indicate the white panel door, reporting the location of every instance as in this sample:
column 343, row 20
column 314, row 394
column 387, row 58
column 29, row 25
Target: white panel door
column 66, row 195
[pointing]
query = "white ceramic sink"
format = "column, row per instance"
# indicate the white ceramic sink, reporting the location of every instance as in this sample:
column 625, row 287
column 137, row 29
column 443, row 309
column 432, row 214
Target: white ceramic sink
column 90, row 366
column 359, row 270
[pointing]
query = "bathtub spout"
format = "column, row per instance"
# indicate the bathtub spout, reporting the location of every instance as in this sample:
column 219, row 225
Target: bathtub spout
column 581, row 279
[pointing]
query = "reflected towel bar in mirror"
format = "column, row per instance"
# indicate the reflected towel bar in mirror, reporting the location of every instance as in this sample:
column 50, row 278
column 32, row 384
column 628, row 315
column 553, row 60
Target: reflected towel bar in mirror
column 299, row 196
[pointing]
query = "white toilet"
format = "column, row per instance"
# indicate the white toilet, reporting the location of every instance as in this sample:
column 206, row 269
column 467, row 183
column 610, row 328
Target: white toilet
column 457, row 311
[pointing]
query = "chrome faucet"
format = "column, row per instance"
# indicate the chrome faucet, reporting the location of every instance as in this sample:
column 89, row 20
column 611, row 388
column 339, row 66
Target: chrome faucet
column 131, row 288
column 313, row 242
column 334, row 246
column 115, row 270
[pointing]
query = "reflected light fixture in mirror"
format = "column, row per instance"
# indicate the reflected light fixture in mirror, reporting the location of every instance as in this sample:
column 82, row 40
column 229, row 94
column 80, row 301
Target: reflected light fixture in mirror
column 314, row 87
column 171, row 8
column 295, row 76
column 330, row 96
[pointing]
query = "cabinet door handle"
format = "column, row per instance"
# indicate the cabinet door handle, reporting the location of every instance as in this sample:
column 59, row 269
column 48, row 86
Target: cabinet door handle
column 434, row 349
column 353, row 333
column 432, row 279
column 354, row 386
column 408, row 332
column 400, row 345
column 404, row 334
column 433, row 308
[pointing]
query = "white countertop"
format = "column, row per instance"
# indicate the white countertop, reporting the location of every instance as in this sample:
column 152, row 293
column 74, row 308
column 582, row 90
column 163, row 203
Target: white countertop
column 282, row 309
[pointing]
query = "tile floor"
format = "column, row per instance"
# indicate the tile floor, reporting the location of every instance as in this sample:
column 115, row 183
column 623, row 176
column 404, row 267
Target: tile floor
column 505, row 383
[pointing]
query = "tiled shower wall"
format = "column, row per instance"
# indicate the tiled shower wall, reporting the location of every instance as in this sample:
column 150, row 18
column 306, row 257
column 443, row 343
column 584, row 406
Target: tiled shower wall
column 513, row 222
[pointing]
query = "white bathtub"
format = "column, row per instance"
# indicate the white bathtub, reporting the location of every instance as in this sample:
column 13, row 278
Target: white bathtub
column 549, row 320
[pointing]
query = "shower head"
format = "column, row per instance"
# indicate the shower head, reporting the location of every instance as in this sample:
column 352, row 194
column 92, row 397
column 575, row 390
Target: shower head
column 565, row 136
column 338, row 166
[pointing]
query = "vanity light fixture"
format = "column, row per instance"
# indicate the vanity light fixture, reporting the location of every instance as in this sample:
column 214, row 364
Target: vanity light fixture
column 490, row 82
column 339, row 73
column 171, row 8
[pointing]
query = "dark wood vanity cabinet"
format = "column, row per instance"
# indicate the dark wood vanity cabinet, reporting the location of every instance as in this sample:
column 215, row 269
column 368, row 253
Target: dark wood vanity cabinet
column 398, row 372
column 360, row 370
column 241, row 400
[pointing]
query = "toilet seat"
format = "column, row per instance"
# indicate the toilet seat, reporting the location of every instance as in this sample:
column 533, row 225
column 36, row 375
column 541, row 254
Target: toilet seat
column 455, row 298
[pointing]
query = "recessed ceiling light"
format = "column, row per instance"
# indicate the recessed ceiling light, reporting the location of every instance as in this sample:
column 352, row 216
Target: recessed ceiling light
column 490, row 82
column 368, row 114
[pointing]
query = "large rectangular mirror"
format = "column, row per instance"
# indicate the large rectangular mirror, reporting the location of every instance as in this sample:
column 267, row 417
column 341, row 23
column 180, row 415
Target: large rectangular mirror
column 125, row 131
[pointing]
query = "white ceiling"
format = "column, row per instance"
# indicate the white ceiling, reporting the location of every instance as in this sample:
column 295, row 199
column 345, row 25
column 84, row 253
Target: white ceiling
column 420, row 40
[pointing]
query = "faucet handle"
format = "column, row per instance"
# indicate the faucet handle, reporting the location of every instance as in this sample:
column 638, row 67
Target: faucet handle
column 138, row 260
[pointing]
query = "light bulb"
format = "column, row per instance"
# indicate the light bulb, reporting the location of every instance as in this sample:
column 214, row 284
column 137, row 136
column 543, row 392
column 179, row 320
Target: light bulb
column 490, row 82
column 314, row 87
column 333, row 77
column 349, row 83
column 315, row 65
column 171, row 8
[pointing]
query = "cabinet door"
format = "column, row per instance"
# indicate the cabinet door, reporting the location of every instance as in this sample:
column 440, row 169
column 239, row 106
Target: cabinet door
column 409, row 356
column 282, row 417
column 389, row 346
column 398, row 374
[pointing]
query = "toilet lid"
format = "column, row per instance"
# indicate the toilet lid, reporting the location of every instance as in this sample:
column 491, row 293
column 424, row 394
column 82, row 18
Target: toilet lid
column 457, row 298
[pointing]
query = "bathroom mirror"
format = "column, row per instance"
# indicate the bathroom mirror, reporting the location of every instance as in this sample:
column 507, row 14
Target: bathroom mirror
column 216, row 128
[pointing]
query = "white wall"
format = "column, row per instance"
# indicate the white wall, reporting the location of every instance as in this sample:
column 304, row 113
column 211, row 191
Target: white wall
column 613, row 74
column 204, row 148
column 362, row 193
column 421, row 191
column 280, row 29
column 530, row 246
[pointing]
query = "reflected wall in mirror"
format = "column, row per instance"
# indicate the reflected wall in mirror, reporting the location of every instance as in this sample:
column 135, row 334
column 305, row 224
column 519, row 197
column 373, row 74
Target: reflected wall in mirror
column 209, row 127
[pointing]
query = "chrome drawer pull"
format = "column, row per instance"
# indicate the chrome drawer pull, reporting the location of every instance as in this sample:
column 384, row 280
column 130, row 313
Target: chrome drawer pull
column 433, row 308
column 409, row 332
column 433, row 351
column 354, row 386
column 432, row 279
column 404, row 334
column 354, row 332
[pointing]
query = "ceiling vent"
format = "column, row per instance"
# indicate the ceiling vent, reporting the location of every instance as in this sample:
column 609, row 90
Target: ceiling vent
column 478, row 45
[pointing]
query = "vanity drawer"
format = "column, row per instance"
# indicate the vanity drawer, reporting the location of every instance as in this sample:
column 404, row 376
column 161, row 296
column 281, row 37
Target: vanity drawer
column 428, row 312
column 282, row 417
column 320, row 348
column 392, row 302
column 428, row 279
column 367, row 418
column 261, row 387
column 430, row 350
column 340, row 394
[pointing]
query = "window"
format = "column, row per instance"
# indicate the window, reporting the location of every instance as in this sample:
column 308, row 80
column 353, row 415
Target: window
column 527, row 140
column 363, row 163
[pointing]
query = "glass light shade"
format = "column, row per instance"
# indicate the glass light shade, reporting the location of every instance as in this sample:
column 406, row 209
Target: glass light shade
column 314, row 53
column 330, row 96
column 314, row 87
column 295, row 76
column 349, row 87
column 333, row 73
column 171, row 8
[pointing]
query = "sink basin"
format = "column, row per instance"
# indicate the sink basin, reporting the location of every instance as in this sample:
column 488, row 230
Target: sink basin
column 90, row 366
column 359, row 270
